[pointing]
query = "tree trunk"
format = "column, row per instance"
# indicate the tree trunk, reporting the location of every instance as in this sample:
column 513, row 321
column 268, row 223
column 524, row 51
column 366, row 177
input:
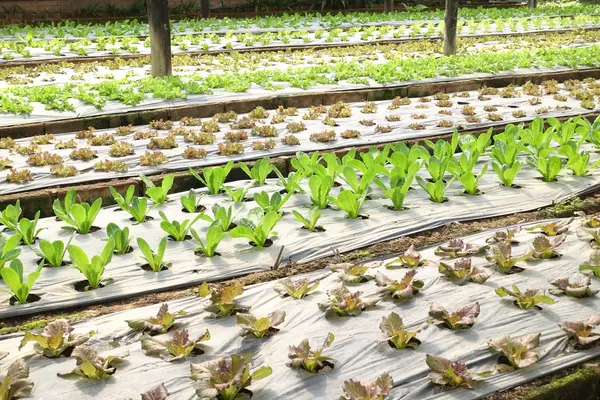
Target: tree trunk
column 388, row 6
column 160, row 37
column 361, row 4
column 532, row 3
column 204, row 8
column 450, row 27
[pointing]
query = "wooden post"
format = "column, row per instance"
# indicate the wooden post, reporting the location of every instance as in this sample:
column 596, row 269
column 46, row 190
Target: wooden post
column 388, row 6
column 204, row 8
column 160, row 37
column 450, row 27
column 532, row 3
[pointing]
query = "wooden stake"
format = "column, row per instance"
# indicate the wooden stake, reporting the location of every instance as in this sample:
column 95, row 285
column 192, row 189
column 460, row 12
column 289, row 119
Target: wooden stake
column 450, row 21
column 160, row 37
column 278, row 260
column 388, row 6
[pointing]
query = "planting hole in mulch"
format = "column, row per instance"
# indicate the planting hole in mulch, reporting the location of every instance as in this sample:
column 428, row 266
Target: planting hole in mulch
column 317, row 229
column 199, row 208
column 336, row 184
column 32, row 298
column 47, row 265
column 393, row 209
column 187, row 237
column 148, row 268
column 514, row 270
column 201, row 254
column 83, row 286
column 232, row 226
column 268, row 243
column 146, row 218
column 94, row 229
column 363, row 217
column 536, row 307
column 512, row 106
column 129, row 250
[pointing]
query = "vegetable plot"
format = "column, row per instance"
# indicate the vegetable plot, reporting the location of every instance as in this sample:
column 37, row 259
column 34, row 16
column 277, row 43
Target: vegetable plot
column 194, row 142
column 472, row 350
column 153, row 245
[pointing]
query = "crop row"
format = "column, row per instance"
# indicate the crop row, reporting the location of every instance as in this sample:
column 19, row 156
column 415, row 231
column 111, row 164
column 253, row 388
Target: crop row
column 20, row 100
column 105, row 46
column 387, row 175
column 203, row 65
column 71, row 29
column 205, row 142
column 350, row 324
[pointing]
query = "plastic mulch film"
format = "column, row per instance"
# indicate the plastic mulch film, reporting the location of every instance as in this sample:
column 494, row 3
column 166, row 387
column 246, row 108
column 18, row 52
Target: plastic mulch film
column 238, row 257
column 414, row 122
column 359, row 351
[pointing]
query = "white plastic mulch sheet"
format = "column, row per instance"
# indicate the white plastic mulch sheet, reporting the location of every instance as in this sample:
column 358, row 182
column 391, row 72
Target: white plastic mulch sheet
column 425, row 114
column 238, row 257
column 359, row 350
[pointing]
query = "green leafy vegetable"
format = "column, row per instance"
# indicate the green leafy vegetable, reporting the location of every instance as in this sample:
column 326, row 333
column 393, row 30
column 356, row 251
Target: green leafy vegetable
column 260, row 170
column 161, row 323
column 180, row 346
column 582, row 334
column 342, row 302
column 449, row 374
column 436, row 190
column 462, row 271
column 577, row 286
column 16, row 383
column 309, row 223
column 405, row 288
column 463, row 318
column 527, row 299
column 500, row 255
column 373, row 390
column 120, row 237
column 177, row 231
column 320, row 186
column 213, row 178
column 191, row 202
column 79, row 216
column 55, row 339
column 256, row 227
column 158, row 194
column 208, row 247
column 52, row 253
column 222, row 300
column 458, row 248
column 92, row 269
column 518, row 352
column 272, row 203
column 28, row 229
column 15, row 280
column 410, row 259
column 154, row 259
column 351, row 273
column 296, row 289
column 9, row 217
column 349, row 202
column 397, row 336
column 92, row 366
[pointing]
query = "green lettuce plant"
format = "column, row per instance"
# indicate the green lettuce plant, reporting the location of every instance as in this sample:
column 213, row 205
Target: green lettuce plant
column 155, row 259
column 349, row 202
column 342, row 303
column 409, row 259
column 9, row 217
column 9, row 248
column 28, row 229
column 79, row 216
column 310, row 222
column 213, row 178
column 222, row 216
column 14, row 278
column 191, row 202
column 120, row 238
column 158, row 194
column 256, row 227
column 178, row 231
column 436, row 190
column 319, row 187
column 208, row 246
column 259, row 171
column 271, row 203
column 52, row 253
column 92, row 269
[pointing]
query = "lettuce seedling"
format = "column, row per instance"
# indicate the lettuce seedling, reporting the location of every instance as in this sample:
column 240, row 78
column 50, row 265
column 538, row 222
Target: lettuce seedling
column 15, row 280
column 313, row 361
column 527, row 299
column 507, row 173
column 448, row 373
column 305, row 164
column 373, row 390
column 236, row 195
column 177, row 231
column 28, row 229
column 180, row 346
column 593, row 265
column 409, row 259
column 582, row 334
column 470, row 181
column 399, row 185
column 296, row 289
column 500, row 255
column 459, row 248
column 508, row 235
column 9, row 248
column 191, row 202
column 402, row 289
column 16, row 383
column 122, row 201
column 547, row 165
column 154, row 259
column 52, row 253
column 397, row 336
column 344, row 303
column 272, row 203
column 320, row 186
column 349, row 202
column 156, row 393
column 222, row 300
column 257, row 227
column 436, row 190
column 80, row 216
column 291, row 183
column 92, row 366
column 208, row 247
column 213, row 178
column 55, row 339
column 92, row 269
column 161, row 323
column 223, row 217
column 158, row 194
column 437, row 167
column 544, row 248
column 553, row 228
column 462, row 318
column 577, row 285
column 358, row 186
column 139, row 209
column 463, row 271
column 260, row 327
column 350, row 273
column 505, row 153
column 309, row 223
column 226, row 379
column 518, row 352
column 260, row 170
column 120, row 237
column 9, row 217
